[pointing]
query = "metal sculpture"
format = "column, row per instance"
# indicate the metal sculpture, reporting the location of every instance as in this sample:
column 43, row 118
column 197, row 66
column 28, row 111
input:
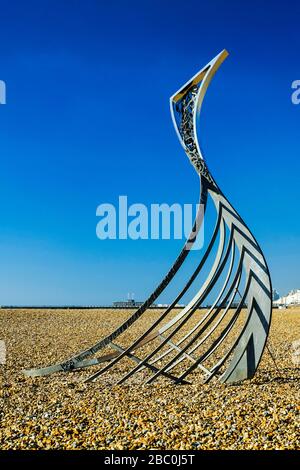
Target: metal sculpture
column 238, row 262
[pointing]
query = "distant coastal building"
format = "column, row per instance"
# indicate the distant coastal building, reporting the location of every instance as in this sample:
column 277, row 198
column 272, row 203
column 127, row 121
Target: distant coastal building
column 235, row 304
column 292, row 298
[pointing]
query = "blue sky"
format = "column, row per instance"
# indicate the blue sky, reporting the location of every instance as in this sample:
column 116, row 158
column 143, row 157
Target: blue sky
column 87, row 119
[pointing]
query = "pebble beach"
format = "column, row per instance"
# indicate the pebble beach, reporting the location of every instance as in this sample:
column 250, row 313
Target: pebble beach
column 62, row 412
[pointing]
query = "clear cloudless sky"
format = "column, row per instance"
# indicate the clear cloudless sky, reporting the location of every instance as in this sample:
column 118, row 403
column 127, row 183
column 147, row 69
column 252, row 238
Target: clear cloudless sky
column 87, row 119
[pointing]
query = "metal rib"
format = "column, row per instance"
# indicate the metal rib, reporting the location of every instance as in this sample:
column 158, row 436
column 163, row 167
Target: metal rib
column 180, row 315
column 192, row 303
column 70, row 364
column 197, row 345
column 138, row 360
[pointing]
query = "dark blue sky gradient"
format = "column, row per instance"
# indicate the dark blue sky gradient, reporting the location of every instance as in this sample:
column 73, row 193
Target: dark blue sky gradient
column 87, row 119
